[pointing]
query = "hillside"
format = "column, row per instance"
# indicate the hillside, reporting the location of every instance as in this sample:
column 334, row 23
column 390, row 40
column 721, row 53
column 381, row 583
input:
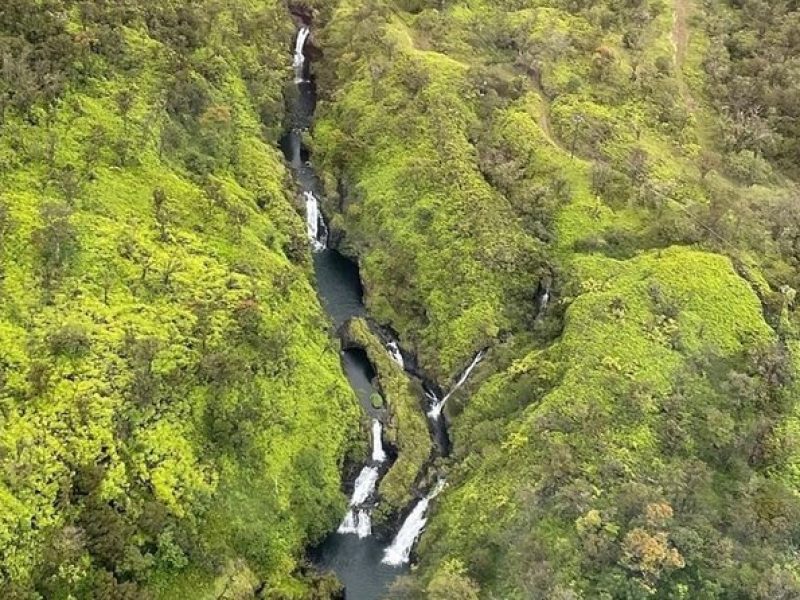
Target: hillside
column 174, row 417
column 604, row 195
column 576, row 224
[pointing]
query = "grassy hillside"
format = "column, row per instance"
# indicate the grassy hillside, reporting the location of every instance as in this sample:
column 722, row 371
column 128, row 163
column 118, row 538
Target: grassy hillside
column 638, row 438
column 174, row 417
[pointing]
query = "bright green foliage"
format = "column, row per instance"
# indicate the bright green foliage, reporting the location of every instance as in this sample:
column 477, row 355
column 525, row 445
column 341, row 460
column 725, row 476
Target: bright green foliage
column 638, row 439
column 376, row 400
column 624, row 412
column 406, row 430
column 174, row 416
column 398, row 137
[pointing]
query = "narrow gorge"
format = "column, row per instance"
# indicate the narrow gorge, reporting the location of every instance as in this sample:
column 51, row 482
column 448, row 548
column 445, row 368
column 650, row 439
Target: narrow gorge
column 364, row 562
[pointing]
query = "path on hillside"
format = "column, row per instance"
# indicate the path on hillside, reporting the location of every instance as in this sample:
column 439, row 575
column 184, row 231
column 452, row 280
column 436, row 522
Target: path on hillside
column 680, row 44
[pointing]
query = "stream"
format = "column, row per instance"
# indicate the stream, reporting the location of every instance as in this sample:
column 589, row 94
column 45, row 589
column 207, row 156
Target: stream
column 365, row 564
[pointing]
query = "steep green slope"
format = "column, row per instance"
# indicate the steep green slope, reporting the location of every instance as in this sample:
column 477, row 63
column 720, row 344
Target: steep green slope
column 174, row 417
column 637, row 439
column 398, row 138
column 630, row 458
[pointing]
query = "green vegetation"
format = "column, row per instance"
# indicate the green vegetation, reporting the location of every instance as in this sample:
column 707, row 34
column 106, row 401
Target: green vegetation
column 639, row 438
column 376, row 400
column 173, row 415
column 406, row 429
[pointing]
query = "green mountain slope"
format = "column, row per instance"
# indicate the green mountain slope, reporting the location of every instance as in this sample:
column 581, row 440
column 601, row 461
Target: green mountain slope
column 637, row 438
column 174, row 417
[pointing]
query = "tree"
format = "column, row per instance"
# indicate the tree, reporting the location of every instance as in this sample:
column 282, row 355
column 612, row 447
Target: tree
column 452, row 583
column 56, row 242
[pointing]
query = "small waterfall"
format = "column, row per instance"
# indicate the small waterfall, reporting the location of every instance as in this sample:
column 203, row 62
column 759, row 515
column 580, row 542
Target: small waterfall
column 378, row 453
column 297, row 148
column 437, row 405
column 356, row 522
column 394, row 352
column 349, row 524
column 317, row 232
column 544, row 301
column 400, row 550
column 299, row 54
column 364, row 486
column 364, row 526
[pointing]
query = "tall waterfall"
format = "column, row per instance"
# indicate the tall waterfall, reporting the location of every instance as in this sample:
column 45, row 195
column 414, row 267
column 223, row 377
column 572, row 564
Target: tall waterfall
column 299, row 53
column 357, row 519
column 394, row 352
column 400, row 550
column 378, row 453
column 315, row 225
column 437, row 405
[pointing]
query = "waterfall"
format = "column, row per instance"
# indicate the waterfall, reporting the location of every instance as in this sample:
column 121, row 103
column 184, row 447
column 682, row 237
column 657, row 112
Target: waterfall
column 364, row 526
column 364, row 486
column 544, row 301
column 297, row 147
column 400, row 550
column 394, row 352
column 299, row 53
column 356, row 522
column 437, row 405
column 317, row 232
column 378, row 453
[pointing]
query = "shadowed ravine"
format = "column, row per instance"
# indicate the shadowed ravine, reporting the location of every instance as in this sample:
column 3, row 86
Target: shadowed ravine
column 365, row 564
column 352, row 552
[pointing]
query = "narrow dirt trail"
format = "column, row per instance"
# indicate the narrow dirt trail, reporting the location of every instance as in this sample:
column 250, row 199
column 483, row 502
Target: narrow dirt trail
column 680, row 31
column 680, row 44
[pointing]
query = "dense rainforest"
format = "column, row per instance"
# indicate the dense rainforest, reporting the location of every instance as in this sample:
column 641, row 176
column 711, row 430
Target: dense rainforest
column 600, row 199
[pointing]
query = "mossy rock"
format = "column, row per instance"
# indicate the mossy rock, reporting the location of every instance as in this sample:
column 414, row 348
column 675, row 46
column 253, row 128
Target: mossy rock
column 376, row 400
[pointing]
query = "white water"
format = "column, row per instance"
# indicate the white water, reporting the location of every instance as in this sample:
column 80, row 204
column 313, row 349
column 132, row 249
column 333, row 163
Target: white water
column 394, row 352
column 378, row 453
column 544, row 301
column 299, row 53
column 364, row 486
column 358, row 520
column 400, row 550
column 313, row 221
column 436, row 409
column 358, row 523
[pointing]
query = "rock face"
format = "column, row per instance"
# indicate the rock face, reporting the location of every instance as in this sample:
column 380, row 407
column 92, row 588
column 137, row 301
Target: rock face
column 305, row 16
column 302, row 12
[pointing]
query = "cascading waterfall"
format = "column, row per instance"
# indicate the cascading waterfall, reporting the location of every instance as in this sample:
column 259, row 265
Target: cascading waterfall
column 299, row 54
column 317, row 232
column 400, row 550
column 357, row 520
column 436, row 404
column 355, row 556
column 364, row 485
column 394, row 352
column 378, row 453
